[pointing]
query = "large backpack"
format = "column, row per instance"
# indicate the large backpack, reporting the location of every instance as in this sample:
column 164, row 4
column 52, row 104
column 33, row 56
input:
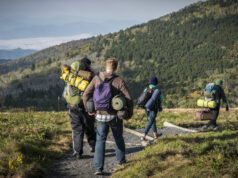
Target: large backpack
column 210, row 92
column 102, row 95
column 144, row 97
column 72, row 95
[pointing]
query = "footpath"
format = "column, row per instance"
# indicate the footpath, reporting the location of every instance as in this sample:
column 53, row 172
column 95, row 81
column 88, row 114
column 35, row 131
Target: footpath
column 84, row 167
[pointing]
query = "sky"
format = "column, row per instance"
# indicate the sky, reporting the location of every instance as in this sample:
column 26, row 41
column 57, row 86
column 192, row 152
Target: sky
column 37, row 24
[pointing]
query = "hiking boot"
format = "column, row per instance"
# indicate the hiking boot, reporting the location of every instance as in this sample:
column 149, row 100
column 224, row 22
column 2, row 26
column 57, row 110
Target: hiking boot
column 77, row 155
column 99, row 172
column 204, row 128
column 155, row 135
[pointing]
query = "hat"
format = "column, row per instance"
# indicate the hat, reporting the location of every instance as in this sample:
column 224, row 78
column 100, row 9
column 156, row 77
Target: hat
column 86, row 61
column 153, row 80
column 111, row 64
column 219, row 81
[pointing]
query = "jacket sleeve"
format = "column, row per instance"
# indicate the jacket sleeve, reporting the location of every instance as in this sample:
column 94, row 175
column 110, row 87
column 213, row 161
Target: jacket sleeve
column 124, row 89
column 89, row 92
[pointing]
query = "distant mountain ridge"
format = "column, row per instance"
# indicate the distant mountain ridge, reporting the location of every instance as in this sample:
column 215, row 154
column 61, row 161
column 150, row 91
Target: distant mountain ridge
column 4, row 61
column 15, row 53
column 185, row 50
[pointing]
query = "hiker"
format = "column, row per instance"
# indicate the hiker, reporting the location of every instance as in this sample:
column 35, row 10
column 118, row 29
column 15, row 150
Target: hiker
column 220, row 94
column 110, row 83
column 80, row 121
column 152, row 106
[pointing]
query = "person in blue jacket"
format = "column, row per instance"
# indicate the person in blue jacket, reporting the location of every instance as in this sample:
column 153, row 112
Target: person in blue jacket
column 152, row 107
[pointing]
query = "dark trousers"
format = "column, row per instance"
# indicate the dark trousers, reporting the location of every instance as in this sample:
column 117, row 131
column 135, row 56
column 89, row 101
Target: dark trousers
column 215, row 113
column 81, row 123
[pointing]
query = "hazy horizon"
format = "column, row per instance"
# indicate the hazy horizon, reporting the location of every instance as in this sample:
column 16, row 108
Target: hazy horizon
column 36, row 25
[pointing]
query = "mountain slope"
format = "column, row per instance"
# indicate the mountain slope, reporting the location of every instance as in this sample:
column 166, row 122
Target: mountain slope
column 185, row 50
column 51, row 52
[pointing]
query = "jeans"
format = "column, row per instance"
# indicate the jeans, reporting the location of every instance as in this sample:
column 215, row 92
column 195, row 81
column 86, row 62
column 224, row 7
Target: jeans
column 81, row 123
column 116, row 126
column 151, row 122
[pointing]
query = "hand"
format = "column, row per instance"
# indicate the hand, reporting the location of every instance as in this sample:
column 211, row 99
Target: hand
column 91, row 113
column 227, row 108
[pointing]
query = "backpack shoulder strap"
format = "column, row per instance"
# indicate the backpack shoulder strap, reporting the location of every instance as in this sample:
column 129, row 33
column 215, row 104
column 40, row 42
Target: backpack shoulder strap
column 111, row 79
column 100, row 79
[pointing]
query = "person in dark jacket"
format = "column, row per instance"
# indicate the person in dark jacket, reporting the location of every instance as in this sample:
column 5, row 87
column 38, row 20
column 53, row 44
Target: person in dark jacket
column 215, row 112
column 81, row 122
column 152, row 107
column 109, row 118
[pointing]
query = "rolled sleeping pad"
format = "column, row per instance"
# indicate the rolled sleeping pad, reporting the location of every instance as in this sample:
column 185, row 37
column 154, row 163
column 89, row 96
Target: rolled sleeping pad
column 118, row 102
column 86, row 75
column 154, row 97
column 73, row 78
column 90, row 106
column 206, row 103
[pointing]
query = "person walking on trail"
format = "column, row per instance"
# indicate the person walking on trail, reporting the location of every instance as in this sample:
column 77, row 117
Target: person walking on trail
column 152, row 106
column 220, row 94
column 110, row 85
column 80, row 121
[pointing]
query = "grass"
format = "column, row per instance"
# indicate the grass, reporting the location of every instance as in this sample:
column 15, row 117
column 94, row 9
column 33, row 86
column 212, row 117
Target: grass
column 206, row 154
column 31, row 141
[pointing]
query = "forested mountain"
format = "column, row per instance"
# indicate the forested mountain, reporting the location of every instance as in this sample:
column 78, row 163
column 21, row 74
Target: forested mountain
column 185, row 50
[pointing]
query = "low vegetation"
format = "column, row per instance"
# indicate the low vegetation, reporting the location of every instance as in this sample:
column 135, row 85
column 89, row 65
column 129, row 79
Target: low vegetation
column 205, row 154
column 30, row 141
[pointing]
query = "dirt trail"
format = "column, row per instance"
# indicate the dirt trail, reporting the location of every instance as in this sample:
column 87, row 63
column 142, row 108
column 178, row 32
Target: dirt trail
column 84, row 168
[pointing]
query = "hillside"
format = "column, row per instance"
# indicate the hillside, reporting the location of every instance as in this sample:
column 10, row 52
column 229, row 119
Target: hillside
column 185, row 50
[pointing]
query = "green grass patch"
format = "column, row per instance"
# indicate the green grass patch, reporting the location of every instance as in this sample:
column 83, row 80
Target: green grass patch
column 30, row 141
column 206, row 154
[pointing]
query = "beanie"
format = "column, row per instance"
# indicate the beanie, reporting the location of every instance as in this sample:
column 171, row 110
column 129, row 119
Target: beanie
column 153, row 80
column 86, row 62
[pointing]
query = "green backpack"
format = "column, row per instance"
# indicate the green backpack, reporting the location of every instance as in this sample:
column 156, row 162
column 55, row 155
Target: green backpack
column 72, row 94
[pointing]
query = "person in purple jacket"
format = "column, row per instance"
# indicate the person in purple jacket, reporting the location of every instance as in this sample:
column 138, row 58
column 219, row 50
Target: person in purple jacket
column 152, row 107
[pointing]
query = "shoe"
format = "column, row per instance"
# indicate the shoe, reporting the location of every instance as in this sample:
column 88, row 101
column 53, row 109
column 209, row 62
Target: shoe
column 77, row 155
column 216, row 128
column 155, row 135
column 204, row 128
column 98, row 173
column 121, row 163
